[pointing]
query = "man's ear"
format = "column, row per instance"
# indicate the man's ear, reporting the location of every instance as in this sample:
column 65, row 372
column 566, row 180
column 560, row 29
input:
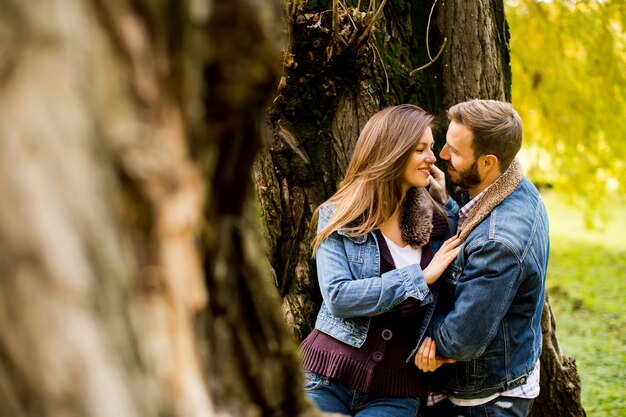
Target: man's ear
column 490, row 163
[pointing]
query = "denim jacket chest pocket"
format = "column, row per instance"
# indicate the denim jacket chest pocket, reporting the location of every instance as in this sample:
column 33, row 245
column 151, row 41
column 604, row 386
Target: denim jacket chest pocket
column 363, row 256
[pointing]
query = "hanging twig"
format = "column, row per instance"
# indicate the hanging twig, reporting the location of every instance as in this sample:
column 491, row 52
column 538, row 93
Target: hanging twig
column 432, row 61
column 353, row 37
column 345, row 9
column 335, row 22
column 428, row 30
column 381, row 63
column 443, row 45
column 374, row 19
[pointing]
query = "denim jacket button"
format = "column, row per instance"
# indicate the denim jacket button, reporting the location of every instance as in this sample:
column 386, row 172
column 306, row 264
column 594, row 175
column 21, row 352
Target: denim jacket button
column 387, row 334
column 377, row 356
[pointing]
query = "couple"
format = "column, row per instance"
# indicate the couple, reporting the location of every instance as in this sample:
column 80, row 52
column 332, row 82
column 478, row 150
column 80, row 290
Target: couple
column 401, row 298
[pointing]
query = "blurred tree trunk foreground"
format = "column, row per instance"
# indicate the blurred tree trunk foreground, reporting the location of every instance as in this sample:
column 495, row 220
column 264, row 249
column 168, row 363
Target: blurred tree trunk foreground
column 133, row 281
column 347, row 60
column 131, row 266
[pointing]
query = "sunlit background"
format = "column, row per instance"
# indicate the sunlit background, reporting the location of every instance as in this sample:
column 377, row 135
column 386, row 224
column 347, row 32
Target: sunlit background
column 569, row 85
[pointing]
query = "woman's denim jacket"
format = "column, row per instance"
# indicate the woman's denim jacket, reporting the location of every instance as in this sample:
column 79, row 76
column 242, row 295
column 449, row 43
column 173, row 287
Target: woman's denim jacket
column 491, row 299
column 353, row 290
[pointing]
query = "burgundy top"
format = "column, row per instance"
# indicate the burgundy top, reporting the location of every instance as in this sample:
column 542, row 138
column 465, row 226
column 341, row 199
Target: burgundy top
column 379, row 366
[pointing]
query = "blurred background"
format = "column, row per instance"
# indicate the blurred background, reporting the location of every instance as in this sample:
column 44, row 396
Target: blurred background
column 569, row 85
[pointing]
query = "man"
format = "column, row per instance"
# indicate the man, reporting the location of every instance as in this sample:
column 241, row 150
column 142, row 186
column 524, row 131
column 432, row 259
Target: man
column 491, row 300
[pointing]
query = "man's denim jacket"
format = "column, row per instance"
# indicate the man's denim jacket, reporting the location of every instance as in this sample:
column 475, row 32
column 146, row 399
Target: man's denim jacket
column 491, row 298
column 353, row 290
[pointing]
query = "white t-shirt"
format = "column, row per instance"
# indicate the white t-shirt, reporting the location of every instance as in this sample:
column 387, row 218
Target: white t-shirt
column 403, row 256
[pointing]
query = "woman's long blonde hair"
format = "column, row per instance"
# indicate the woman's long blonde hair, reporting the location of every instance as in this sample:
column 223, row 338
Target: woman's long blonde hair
column 372, row 187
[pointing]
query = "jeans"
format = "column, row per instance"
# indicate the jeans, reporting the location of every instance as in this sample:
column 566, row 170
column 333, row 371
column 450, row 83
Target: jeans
column 498, row 407
column 332, row 396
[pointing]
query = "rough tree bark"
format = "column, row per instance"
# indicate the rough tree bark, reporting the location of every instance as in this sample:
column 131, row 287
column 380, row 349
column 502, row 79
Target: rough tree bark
column 100, row 206
column 476, row 61
column 131, row 279
column 334, row 78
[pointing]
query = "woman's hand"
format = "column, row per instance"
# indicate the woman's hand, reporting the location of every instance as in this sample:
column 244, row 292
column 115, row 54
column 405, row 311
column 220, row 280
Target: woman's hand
column 437, row 185
column 427, row 359
column 444, row 256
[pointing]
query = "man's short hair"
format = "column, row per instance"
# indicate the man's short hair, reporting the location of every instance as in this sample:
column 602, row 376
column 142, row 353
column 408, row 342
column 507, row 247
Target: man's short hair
column 496, row 127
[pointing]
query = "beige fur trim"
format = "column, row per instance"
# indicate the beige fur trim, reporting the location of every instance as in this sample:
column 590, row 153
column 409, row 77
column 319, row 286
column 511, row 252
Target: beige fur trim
column 501, row 188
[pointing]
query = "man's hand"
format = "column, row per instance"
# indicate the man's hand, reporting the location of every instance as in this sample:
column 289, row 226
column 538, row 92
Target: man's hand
column 427, row 359
column 437, row 185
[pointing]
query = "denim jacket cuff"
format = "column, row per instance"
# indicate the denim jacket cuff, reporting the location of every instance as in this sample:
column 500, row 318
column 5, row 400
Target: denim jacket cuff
column 451, row 206
column 415, row 284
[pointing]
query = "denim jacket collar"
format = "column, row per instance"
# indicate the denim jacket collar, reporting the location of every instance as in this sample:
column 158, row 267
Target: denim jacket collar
column 359, row 240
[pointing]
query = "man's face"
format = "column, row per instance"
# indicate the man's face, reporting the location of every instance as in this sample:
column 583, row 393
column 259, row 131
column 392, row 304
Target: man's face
column 458, row 153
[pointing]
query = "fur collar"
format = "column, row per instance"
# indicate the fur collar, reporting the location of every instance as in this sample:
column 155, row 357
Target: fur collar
column 501, row 188
column 416, row 217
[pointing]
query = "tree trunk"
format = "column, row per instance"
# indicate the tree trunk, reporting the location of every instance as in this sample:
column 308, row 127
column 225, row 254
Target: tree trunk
column 249, row 350
column 332, row 84
column 100, row 206
column 476, row 62
column 560, row 383
column 132, row 279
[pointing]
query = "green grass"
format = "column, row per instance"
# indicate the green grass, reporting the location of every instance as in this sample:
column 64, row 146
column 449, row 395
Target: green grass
column 587, row 287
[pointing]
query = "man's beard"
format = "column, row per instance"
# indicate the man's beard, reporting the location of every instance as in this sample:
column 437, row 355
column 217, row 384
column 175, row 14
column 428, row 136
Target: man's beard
column 467, row 178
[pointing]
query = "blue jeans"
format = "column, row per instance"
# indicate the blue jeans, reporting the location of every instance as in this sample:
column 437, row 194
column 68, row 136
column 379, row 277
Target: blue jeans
column 498, row 407
column 332, row 396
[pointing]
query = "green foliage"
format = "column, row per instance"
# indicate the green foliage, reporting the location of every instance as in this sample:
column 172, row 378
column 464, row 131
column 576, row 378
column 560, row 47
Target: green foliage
column 587, row 287
column 569, row 85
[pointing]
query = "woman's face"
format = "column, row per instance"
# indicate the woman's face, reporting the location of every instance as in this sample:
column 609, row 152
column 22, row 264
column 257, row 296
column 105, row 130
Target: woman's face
column 422, row 159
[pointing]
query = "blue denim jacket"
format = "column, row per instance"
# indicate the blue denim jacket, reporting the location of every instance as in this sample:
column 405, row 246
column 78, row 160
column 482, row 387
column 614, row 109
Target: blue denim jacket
column 353, row 290
column 496, row 287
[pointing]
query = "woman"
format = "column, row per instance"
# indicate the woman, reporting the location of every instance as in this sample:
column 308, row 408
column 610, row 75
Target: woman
column 374, row 252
